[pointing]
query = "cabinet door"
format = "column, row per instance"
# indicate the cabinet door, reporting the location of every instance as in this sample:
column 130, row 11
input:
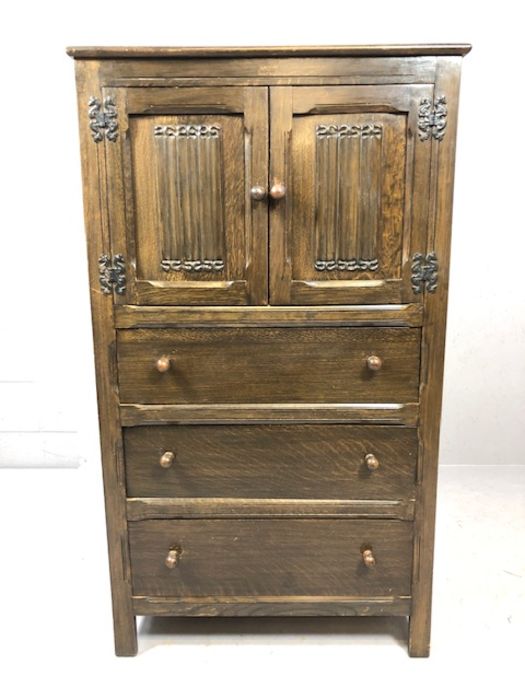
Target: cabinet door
column 357, row 181
column 179, row 179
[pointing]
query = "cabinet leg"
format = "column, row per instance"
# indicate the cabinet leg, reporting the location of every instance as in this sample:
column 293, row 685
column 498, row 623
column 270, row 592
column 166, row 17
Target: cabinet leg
column 125, row 630
column 419, row 635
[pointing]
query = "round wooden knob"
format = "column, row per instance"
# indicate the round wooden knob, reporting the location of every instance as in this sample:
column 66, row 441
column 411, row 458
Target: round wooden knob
column 172, row 557
column 163, row 363
column 371, row 462
column 368, row 557
column 167, row 460
column 277, row 191
column 374, row 363
column 258, row 192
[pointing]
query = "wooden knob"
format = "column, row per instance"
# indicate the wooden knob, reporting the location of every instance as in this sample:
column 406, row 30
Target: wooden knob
column 368, row 557
column 374, row 363
column 371, row 462
column 167, row 460
column 163, row 363
column 258, row 192
column 277, row 191
column 172, row 557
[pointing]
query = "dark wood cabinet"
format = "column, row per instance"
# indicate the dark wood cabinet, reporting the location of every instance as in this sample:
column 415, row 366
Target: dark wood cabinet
column 268, row 238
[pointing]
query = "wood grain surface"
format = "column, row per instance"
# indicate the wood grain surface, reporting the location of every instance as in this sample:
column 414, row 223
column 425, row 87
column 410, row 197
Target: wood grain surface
column 349, row 224
column 406, row 414
column 255, row 51
column 262, row 606
column 179, row 194
column 236, row 507
column 433, row 350
column 270, row 557
column 271, row 461
column 410, row 315
column 268, row 365
column 98, row 241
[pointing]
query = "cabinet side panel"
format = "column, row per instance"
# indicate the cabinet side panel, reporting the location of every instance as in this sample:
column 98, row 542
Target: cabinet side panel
column 97, row 233
column 432, row 358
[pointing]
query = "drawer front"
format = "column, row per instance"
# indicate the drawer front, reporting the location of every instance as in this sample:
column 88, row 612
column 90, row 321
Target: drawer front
column 268, row 365
column 271, row 461
column 269, row 557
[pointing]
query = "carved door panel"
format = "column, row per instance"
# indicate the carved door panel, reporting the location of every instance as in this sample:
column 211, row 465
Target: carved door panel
column 179, row 176
column 357, row 181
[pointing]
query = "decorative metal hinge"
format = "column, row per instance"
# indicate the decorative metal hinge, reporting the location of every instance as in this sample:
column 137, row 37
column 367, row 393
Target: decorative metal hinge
column 424, row 273
column 112, row 276
column 103, row 120
column 432, row 118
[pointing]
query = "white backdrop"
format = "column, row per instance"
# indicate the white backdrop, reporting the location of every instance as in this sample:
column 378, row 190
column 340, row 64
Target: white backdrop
column 47, row 397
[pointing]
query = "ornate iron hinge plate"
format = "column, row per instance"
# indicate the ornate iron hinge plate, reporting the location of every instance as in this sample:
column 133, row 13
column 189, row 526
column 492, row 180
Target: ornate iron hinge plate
column 112, row 274
column 103, row 119
column 432, row 118
column 424, row 273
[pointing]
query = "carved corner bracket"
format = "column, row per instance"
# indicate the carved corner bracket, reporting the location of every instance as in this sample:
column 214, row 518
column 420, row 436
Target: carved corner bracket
column 103, row 119
column 424, row 273
column 432, row 118
column 112, row 274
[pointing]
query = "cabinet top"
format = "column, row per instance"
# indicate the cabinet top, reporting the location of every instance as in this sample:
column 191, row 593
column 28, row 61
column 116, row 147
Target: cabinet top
column 82, row 52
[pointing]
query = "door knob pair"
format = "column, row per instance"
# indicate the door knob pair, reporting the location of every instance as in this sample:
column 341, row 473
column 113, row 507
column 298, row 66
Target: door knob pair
column 276, row 191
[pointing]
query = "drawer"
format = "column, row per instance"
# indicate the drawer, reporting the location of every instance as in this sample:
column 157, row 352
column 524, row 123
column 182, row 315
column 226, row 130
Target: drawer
column 268, row 365
column 271, row 461
column 269, row 557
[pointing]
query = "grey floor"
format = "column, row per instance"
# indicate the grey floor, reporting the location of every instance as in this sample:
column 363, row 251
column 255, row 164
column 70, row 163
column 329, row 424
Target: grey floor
column 57, row 635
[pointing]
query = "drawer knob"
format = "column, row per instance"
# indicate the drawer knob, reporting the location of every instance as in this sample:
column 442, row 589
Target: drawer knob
column 277, row 191
column 258, row 192
column 163, row 364
column 368, row 557
column 167, row 459
column 374, row 363
column 173, row 557
column 371, row 462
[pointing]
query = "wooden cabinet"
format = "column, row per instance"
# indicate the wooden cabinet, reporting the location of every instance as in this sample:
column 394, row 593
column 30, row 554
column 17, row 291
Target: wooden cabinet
column 268, row 238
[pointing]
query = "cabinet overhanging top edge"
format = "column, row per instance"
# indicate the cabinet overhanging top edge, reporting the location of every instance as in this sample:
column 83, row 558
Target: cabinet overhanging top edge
column 119, row 52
